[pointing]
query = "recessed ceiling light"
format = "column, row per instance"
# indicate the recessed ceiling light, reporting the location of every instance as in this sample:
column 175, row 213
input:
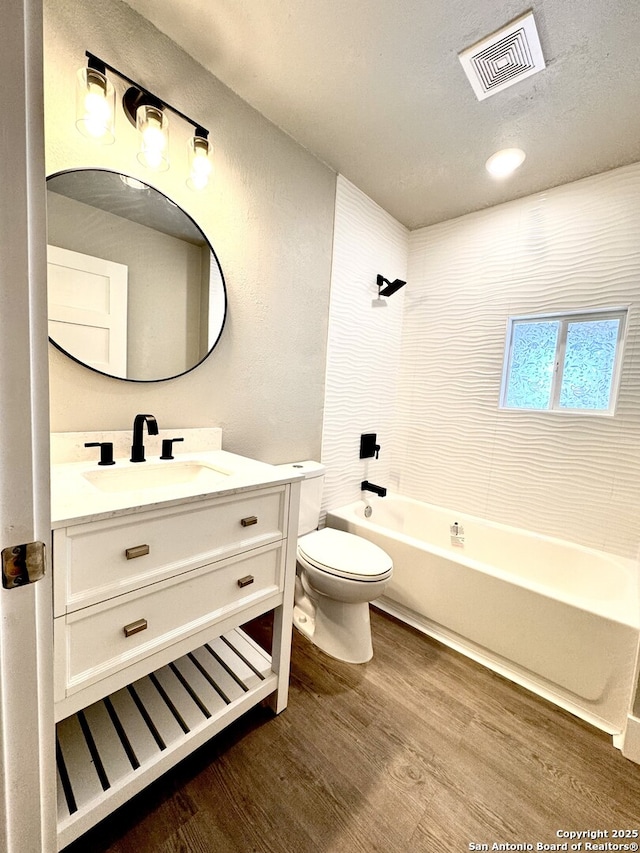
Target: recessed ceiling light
column 504, row 162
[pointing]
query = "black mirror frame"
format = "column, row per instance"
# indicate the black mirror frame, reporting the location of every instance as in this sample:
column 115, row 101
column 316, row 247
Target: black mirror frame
column 213, row 254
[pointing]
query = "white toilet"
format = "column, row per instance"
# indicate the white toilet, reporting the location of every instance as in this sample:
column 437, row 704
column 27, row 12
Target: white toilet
column 337, row 575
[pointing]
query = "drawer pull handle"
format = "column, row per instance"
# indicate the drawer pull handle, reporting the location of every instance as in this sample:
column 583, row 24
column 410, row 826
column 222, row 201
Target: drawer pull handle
column 249, row 520
column 245, row 581
column 135, row 627
column 138, row 551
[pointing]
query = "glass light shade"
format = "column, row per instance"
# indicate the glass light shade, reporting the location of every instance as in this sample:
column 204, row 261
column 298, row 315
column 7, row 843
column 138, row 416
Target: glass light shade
column 503, row 163
column 153, row 127
column 95, row 106
column 200, row 162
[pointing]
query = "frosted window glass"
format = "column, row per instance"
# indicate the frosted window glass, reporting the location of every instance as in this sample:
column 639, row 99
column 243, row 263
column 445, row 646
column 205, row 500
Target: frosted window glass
column 569, row 362
column 533, row 352
column 588, row 364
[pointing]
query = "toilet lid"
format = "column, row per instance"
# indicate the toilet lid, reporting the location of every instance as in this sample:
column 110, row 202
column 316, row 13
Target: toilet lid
column 344, row 554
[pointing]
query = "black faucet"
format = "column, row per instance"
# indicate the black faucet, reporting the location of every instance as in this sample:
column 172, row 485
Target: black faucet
column 106, row 451
column 137, row 449
column 366, row 486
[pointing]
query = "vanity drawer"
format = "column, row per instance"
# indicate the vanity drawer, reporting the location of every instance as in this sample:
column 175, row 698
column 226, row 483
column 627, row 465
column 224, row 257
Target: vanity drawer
column 91, row 644
column 98, row 560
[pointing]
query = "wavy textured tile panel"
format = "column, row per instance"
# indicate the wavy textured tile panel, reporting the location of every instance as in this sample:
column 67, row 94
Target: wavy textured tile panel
column 572, row 476
column 363, row 349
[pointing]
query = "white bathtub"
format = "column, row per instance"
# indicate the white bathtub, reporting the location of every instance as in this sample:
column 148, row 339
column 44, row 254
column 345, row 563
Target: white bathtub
column 560, row 619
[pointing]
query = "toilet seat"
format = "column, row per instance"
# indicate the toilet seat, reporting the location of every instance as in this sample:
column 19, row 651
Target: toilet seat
column 344, row 555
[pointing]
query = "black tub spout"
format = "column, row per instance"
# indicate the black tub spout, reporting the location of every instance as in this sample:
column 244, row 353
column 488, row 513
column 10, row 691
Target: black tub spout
column 366, row 486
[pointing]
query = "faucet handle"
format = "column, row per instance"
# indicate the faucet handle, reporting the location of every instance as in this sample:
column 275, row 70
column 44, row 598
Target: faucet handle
column 167, row 447
column 106, row 451
column 368, row 446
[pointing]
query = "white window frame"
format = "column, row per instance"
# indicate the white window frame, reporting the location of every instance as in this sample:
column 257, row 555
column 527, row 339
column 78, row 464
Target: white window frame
column 564, row 318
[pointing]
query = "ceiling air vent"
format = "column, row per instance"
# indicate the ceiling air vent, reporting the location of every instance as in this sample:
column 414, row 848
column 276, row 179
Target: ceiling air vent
column 503, row 58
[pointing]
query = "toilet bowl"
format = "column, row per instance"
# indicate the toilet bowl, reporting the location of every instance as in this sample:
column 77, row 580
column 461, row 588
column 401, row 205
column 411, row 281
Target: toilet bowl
column 337, row 575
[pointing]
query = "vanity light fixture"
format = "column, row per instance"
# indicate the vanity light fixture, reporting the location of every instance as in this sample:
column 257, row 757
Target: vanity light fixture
column 148, row 115
column 146, row 112
column 133, row 183
column 95, row 102
column 153, row 127
column 200, row 165
column 503, row 163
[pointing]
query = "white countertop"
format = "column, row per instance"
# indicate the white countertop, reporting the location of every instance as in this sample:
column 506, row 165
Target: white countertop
column 76, row 499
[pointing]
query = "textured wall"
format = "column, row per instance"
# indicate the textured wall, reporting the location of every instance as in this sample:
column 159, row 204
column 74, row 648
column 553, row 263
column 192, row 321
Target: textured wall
column 567, row 475
column 269, row 215
column 363, row 349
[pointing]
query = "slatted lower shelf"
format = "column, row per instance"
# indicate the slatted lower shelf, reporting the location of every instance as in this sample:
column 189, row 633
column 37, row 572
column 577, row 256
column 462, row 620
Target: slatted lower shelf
column 114, row 748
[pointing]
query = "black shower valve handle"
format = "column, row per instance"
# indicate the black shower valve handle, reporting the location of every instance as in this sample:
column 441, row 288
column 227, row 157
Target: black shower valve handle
column 167, row 447
column 368, row 447
column 106, row 451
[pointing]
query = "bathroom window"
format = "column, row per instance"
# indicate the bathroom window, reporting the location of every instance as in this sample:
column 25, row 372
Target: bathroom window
column 564, row 362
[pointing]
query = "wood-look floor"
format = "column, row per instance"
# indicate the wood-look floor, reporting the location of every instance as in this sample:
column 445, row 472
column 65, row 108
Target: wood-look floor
column 418, row 750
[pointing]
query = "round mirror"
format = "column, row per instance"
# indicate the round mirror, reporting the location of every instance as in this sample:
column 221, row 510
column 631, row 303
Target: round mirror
column 135, row 289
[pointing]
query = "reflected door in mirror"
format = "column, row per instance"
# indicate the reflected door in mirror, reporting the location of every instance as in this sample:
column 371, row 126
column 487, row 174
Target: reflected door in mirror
column 87, row 299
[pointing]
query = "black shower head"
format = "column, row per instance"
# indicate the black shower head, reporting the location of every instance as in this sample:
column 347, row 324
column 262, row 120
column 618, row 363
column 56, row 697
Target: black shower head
column 391, row 286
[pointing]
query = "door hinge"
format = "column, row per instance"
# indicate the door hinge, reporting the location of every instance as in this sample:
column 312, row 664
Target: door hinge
column 23, row 564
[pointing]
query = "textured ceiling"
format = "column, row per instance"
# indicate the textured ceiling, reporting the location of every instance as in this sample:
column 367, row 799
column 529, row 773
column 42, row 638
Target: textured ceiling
column 145, row 205
column 375, row 89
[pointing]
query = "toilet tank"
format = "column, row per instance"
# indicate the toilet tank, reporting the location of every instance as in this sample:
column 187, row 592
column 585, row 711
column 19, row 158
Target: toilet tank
column 310, row 493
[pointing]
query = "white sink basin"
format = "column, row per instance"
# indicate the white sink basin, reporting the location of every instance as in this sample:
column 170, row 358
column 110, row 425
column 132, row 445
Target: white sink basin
column 144, row 475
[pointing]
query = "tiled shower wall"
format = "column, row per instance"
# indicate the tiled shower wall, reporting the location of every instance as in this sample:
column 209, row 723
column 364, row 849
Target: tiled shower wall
column 425, row 372
column 363, row 348
column 567, row 475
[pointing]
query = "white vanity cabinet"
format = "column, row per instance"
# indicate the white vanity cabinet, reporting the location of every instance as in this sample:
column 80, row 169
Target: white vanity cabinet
column 149, row 657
